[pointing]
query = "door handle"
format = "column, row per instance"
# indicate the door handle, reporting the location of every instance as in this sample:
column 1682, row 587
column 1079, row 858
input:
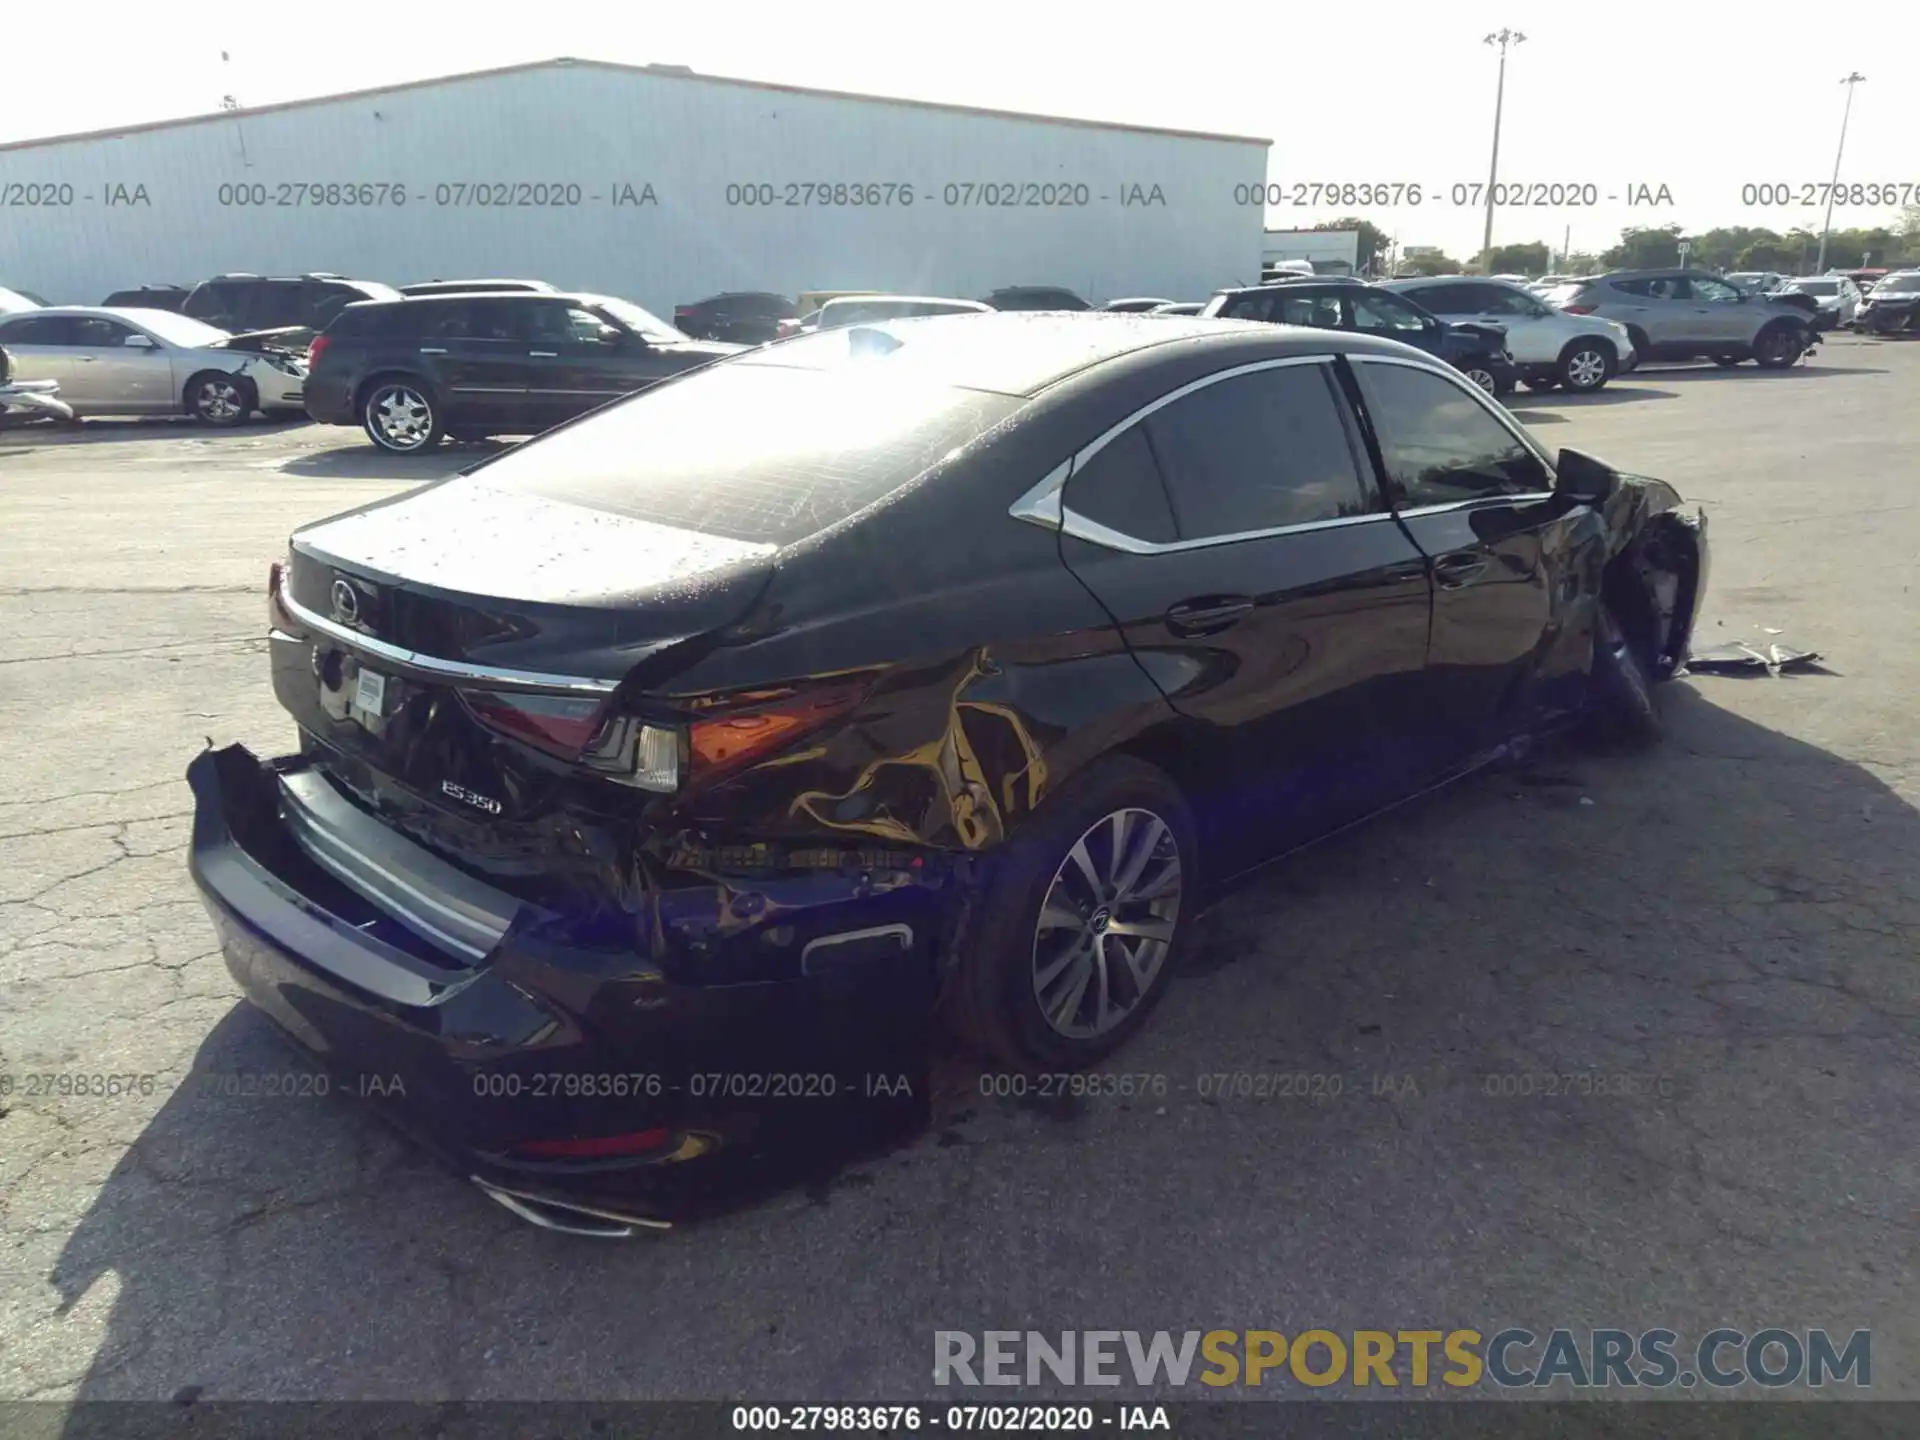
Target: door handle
column 432, row 350
column 544, row 354
column 1458, row 569
column 1406, row 574
column 1208, row 616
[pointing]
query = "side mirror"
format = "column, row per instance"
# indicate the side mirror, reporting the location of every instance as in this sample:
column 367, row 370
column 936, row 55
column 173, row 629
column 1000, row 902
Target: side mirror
column 1580, row 477
column 139, row 342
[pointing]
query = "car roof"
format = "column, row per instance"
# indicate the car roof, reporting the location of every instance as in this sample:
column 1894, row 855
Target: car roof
column 1296, row 282
column 132, row 314
column 849, row 301
column 490, row 280
column 1021, row 353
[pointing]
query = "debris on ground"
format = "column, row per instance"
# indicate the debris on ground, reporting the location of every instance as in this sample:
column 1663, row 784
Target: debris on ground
column 1739, row 658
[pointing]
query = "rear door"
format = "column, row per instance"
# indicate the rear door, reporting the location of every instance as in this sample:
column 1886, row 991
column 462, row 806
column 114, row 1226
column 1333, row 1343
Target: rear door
column 479, row 350
column 1236, row 535
column 1721, row 312
column 42, row 347
column 1475, row 494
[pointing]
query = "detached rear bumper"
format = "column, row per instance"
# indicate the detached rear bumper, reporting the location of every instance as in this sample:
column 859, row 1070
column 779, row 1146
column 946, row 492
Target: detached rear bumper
column 671, row 1097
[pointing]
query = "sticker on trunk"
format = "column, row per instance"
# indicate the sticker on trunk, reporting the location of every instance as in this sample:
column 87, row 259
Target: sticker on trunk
column 370, row 692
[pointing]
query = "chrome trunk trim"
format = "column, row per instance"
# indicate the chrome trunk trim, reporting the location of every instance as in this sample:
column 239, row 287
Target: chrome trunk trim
column 437, row 901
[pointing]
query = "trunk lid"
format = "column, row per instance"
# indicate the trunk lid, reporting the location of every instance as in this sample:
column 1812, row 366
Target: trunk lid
column 449, row 646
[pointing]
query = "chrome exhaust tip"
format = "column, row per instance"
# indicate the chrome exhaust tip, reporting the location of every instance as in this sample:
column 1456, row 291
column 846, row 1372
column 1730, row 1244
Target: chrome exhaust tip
column 568, row 1217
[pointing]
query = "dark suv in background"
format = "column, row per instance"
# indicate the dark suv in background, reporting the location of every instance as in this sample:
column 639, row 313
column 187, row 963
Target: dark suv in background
column 1034, row 297
column 411, row 371
column 148, row 297
column 1331, row 303
column 241, row 303
column 750, row 317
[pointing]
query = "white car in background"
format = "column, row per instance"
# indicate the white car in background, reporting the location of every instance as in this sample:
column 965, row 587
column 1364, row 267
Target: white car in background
column 152, row 362
column 1549, row 347
column 869, row 309
column 1838, row 296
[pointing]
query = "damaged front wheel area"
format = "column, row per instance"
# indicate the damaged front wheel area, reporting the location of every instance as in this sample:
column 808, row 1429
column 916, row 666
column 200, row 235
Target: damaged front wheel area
column 1621, row 704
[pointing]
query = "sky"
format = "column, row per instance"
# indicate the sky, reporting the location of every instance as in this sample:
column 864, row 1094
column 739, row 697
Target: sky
column 1696, row 98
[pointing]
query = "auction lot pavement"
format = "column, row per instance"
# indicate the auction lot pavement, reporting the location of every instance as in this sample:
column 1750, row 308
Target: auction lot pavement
column 1721, row 934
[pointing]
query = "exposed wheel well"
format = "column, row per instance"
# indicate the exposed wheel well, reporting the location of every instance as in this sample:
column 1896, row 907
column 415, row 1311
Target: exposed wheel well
column 1581, row 342
column 1651, row 587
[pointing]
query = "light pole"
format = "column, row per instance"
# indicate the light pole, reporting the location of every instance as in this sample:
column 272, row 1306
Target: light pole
column 1826, row 226
column 1503, row 39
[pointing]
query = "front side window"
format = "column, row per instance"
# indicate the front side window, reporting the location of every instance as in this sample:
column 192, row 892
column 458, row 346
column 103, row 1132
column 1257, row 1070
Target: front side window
column 1499, row 300
column 1258, row 452
column 1379, row 313
column 1714, row 292
column 1440, row 444
column 1320, row 312
column 95, row 332
column 1449, row 299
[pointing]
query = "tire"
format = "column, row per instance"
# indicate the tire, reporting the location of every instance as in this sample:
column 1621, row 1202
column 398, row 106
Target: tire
column 1040, row 929
column 218, row 399
column 1621, row 705
column 1586, row 365
column 1728, row 361
column 1778, row 346
column 1481, row 376
column 401, row 415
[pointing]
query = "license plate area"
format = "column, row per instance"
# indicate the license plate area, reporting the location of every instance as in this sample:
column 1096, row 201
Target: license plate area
column 369, row 694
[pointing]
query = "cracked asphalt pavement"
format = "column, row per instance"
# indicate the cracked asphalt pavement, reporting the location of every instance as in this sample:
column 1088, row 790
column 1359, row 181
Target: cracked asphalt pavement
column 1721, row 933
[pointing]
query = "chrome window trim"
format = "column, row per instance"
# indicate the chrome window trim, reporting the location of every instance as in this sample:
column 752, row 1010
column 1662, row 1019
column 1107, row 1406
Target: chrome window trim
column 1043, row 505
column 433, row 666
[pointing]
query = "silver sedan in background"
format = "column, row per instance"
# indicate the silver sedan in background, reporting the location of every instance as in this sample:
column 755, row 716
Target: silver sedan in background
column 152, row 362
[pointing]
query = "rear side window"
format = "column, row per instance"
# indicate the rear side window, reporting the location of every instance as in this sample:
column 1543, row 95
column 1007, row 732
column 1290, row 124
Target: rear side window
column 211, row 303
column 1245, row 307
column 39, row 330
column 1120, row 488
column 1448, row 299
column 1258, row 452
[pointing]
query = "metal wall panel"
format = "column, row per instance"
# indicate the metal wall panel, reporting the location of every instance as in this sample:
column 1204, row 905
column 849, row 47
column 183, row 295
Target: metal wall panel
column 630, row 182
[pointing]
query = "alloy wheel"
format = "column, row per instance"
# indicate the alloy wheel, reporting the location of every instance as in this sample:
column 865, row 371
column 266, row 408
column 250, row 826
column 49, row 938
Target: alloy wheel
column 402, row 416
column 218, row 400
column 1586, row 369
column 1483, row 378
column 1107, row 923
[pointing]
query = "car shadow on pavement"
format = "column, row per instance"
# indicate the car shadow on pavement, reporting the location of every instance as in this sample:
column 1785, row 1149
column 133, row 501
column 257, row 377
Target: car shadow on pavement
column 1722, row 912
column 366, row 462
column 1621, row 392
column 147, row 428
column 1812, row 370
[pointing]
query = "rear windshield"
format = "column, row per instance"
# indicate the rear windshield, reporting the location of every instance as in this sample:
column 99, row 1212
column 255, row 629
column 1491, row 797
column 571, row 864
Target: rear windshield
column 751, row 453
column 1901, row 280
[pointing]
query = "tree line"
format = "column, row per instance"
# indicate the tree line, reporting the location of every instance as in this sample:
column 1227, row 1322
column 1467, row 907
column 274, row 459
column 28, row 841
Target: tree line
column 1730, row 247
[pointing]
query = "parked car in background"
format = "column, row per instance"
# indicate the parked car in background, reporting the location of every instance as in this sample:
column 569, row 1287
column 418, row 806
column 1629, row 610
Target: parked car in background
column 1893, row 305
column 477, row 287
column 22, row 400
column 242, row 303
column 412, row 371
column 1330, row 303
column 808, row 301
column 1689, row 314
column 1864, row 280
column 869, row 309
column 1837, row 297
column 1179, row 307
column 1135, row 305
column 1034, row 297
column 1757, row 282
column 153, row 362
column 148, row 297
column 12, row 302
column 1550, row 347
column 697, row 738
column 746, row 317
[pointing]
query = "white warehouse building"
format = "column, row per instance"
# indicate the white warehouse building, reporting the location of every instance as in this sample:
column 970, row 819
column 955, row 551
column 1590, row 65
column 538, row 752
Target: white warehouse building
column 648, row 182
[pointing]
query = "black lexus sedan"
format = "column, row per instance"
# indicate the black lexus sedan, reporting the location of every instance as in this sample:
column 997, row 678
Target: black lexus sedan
column 687, row 762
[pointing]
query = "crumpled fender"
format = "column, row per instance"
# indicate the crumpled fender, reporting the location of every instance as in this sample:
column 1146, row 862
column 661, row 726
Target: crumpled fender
column 1663, row 547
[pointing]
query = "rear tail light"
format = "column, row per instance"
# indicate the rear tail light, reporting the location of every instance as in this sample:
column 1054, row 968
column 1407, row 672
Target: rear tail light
column 727, row 733
column 595, row 1147
column 1578, row 309
column 744, row 728
column 316, row 349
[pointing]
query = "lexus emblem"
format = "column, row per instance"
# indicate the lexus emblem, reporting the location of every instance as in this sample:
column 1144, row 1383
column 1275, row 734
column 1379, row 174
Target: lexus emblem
column 346, row 603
